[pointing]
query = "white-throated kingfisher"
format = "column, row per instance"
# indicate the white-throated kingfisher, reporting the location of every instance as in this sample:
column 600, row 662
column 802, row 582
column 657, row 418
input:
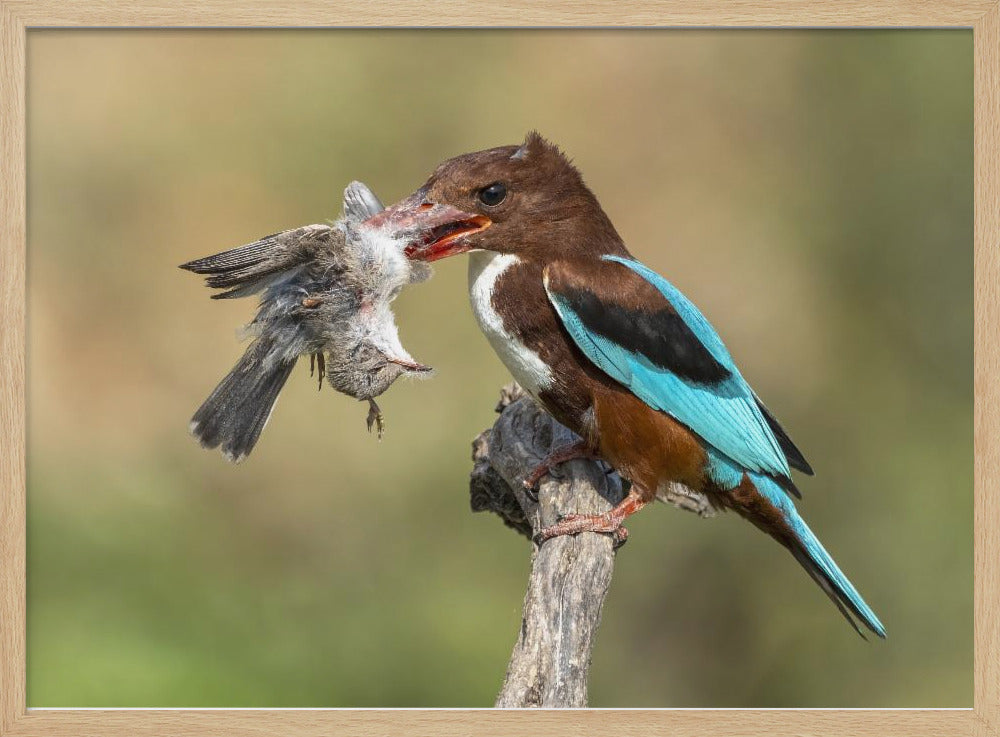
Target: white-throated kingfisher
column 614, row 351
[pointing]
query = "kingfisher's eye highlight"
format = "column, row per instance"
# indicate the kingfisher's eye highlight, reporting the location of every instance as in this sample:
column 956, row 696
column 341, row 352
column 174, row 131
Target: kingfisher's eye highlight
column 493, row 194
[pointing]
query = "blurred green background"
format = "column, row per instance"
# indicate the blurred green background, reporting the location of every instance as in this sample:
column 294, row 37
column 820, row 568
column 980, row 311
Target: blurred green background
column 811, row 191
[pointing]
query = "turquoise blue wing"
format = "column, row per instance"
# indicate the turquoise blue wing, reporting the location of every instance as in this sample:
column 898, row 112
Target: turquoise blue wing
column 642, row 332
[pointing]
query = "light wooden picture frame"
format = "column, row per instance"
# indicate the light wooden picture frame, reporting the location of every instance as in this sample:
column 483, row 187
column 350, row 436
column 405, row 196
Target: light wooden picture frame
column 18, row 17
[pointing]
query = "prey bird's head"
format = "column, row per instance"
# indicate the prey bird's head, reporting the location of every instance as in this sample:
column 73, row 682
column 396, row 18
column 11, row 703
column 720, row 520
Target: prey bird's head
column 527, row 200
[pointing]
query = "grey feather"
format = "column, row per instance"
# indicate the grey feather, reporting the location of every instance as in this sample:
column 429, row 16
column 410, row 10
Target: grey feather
column 324, row 290
column 236, row 412
column 360, row 203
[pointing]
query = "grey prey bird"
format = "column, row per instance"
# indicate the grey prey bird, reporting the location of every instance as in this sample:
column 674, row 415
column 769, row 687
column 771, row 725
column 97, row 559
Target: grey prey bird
column 325, row 291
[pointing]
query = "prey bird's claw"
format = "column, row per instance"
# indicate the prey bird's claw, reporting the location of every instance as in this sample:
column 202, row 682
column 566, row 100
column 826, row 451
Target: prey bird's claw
column 375, row 418
column 318, row 360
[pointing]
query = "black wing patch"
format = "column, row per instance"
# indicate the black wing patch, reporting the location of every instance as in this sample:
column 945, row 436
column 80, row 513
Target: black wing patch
column 794, row 456
column 662, row 336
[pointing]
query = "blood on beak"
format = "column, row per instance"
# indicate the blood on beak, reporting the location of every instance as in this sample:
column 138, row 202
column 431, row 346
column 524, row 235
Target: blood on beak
column 431, row 231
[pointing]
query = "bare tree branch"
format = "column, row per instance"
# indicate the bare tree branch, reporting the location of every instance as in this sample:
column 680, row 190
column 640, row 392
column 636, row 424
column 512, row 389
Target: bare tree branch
column 570, row 576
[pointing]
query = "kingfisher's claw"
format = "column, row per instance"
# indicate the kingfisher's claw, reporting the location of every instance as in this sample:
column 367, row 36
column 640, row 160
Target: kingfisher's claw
column 530, row 491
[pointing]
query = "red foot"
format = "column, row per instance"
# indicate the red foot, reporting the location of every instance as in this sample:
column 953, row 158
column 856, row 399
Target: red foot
column 571, row 452
column 574, row 524
column 610, row 522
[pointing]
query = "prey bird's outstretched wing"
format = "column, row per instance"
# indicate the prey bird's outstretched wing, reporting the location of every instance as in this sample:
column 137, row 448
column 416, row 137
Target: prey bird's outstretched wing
column 251, row 268
column 360, row 203
column 642, row 332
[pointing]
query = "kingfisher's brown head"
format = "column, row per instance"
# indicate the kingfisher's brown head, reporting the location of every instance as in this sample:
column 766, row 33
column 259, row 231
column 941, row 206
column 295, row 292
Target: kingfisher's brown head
column 527, row 200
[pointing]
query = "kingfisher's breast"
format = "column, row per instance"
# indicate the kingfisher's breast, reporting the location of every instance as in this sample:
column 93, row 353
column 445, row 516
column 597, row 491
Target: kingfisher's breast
column 524, row 364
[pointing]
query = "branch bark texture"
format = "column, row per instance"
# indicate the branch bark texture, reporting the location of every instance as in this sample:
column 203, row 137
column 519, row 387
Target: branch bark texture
column 570, row 576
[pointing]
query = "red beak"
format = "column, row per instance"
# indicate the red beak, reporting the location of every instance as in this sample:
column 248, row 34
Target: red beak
column 434, row 231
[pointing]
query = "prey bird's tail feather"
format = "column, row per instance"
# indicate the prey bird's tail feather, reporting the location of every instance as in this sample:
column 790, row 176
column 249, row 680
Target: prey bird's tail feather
column 792, row 532
column 237, row 410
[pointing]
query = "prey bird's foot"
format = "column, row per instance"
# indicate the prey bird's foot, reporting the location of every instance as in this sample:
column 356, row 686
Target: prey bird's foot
column 571, row 452
column 375, row 418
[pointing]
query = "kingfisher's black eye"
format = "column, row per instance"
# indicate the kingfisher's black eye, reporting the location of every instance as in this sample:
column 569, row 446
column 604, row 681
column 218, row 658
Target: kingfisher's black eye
column 493, row 194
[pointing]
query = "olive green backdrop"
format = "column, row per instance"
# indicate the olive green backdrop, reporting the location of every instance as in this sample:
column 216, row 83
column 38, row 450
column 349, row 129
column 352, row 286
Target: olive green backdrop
column 811, row 191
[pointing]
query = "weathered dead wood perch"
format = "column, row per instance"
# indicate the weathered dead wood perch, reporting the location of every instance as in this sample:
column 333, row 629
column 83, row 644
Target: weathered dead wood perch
column 570, row 576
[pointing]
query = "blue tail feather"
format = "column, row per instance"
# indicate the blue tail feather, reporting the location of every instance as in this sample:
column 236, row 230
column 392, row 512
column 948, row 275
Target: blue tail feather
column 814, row 558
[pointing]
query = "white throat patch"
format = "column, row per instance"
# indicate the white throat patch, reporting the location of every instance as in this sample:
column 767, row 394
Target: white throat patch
column 530, row 371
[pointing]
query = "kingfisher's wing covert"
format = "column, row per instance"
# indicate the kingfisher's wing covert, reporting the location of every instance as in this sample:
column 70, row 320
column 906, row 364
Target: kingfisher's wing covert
column 641, row 331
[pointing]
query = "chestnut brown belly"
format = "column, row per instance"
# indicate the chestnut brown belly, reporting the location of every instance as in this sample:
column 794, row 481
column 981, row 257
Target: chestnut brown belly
column 646, row 446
